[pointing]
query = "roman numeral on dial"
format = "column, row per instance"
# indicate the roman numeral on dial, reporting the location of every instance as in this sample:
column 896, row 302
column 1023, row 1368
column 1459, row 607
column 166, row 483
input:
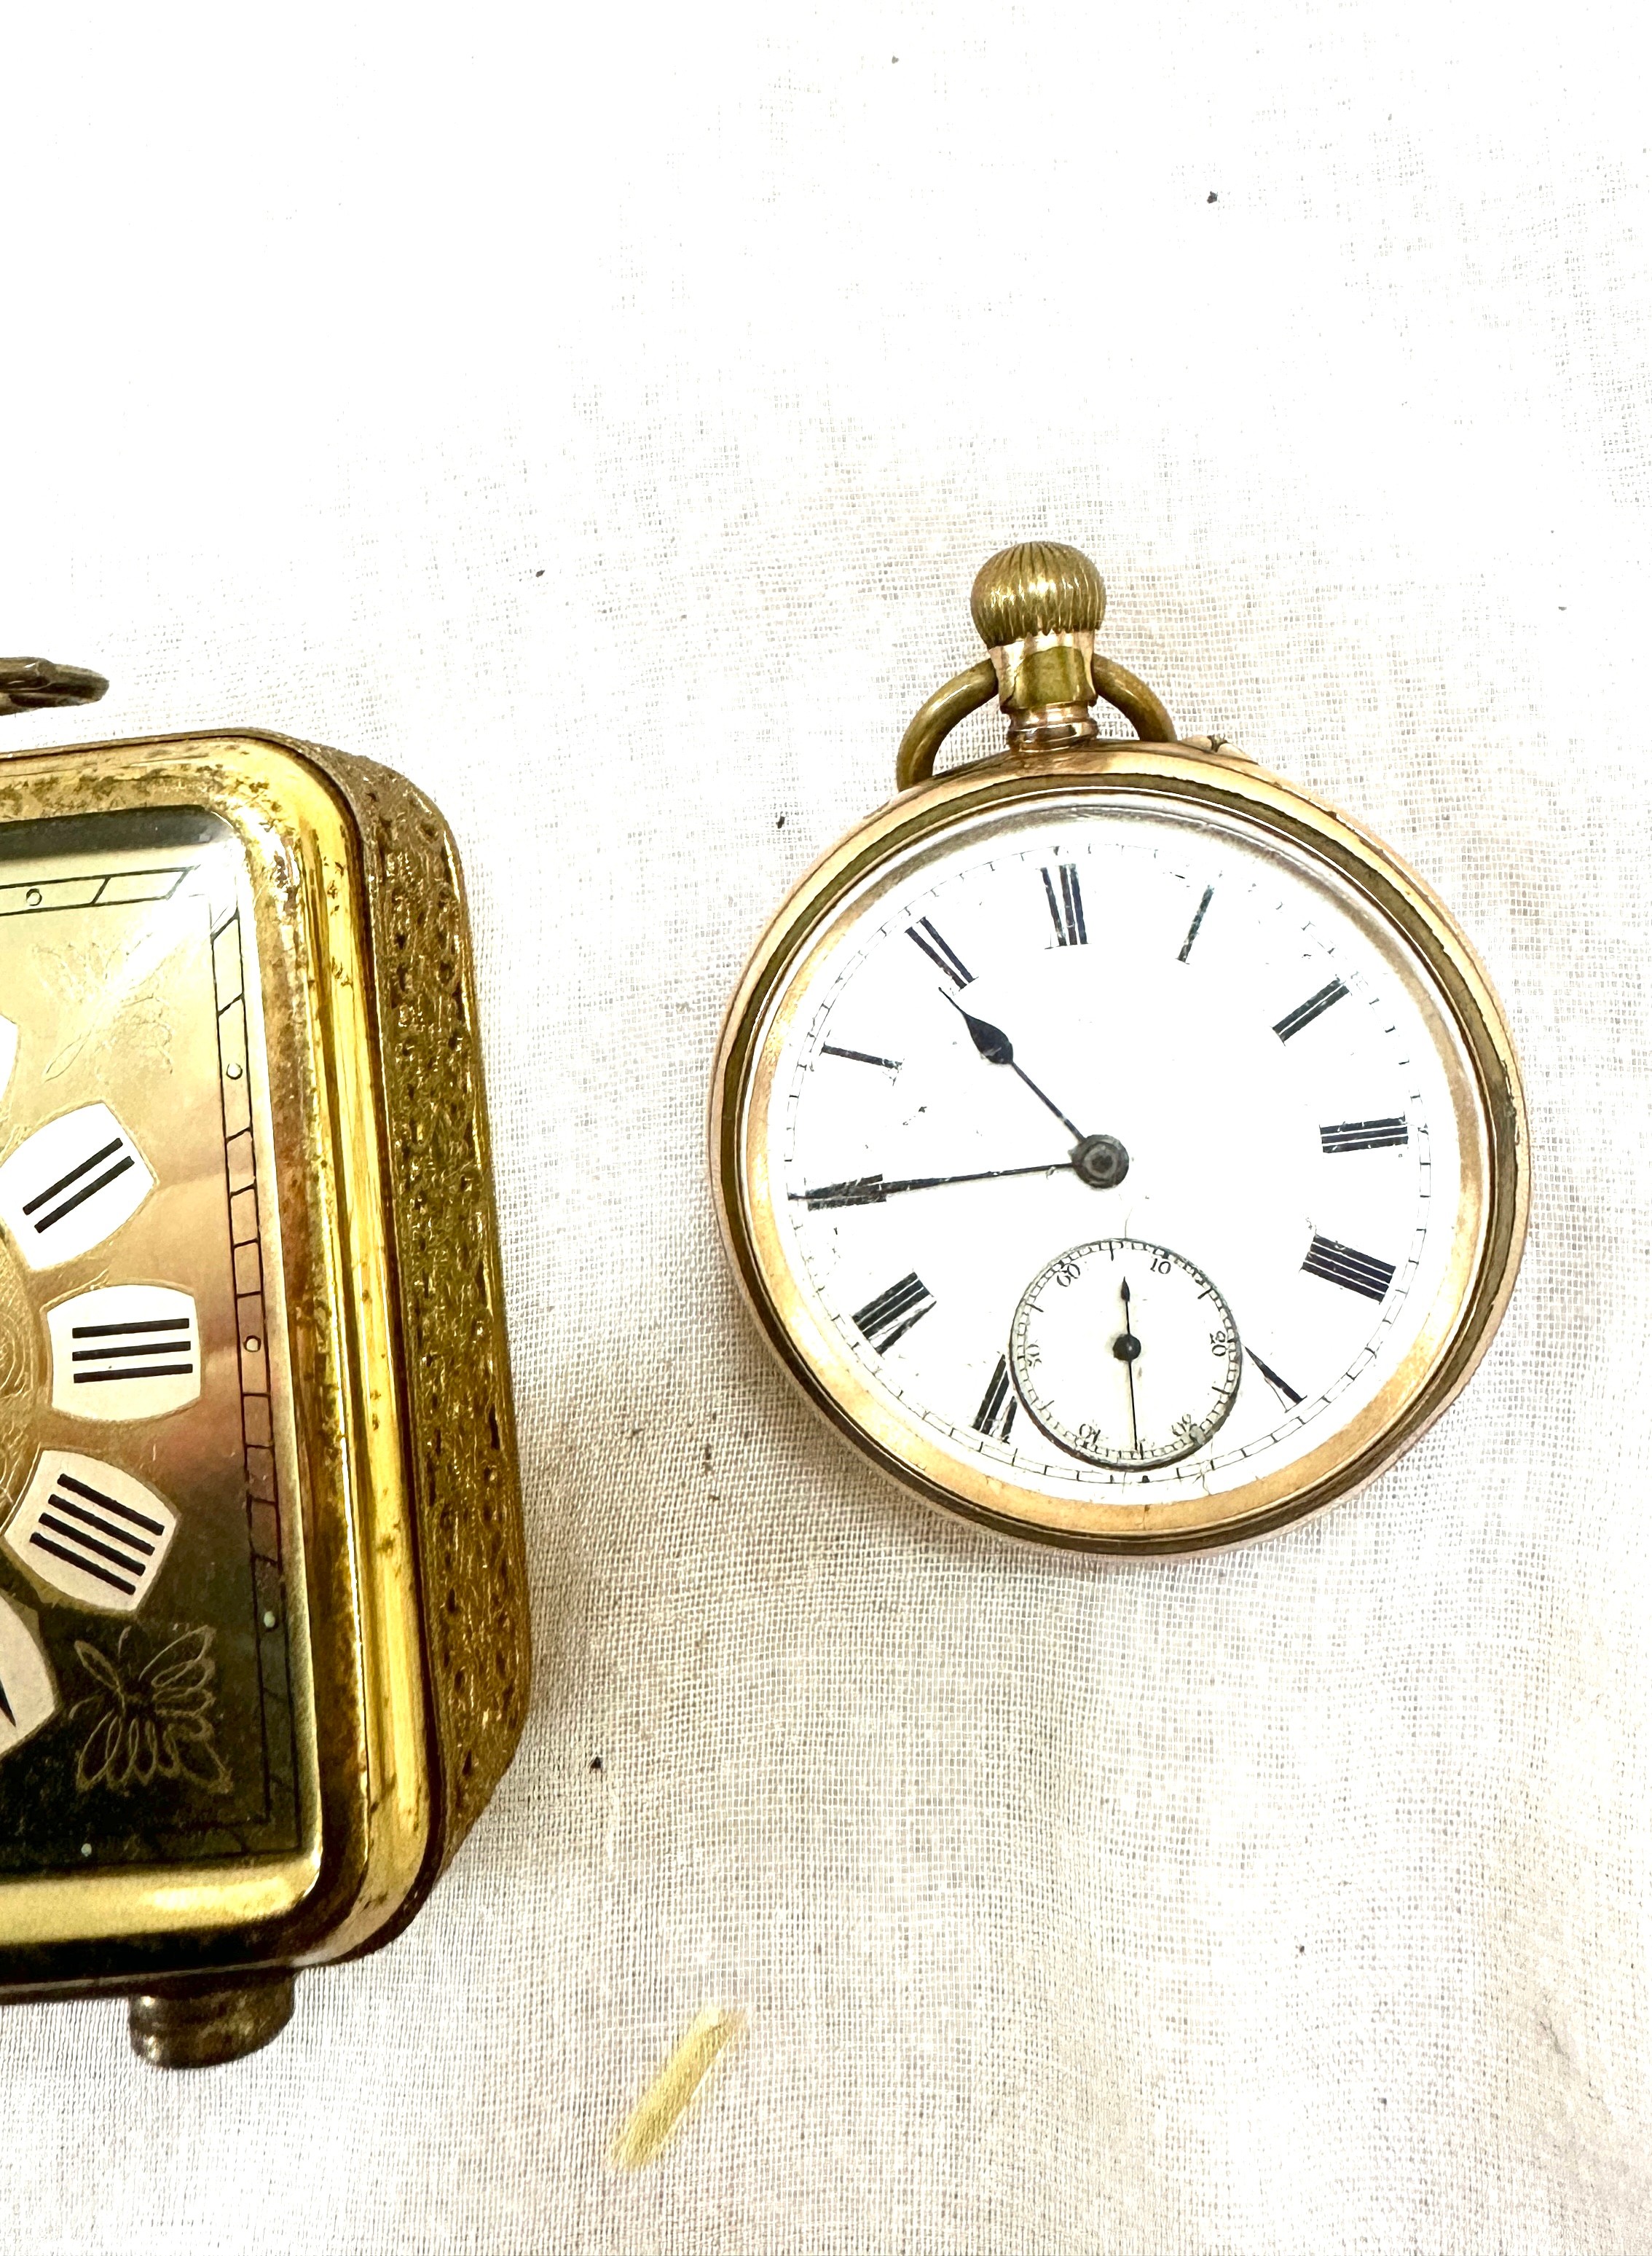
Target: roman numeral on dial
column 124, row 1351
column 997, row 1413
column 861, row 1190
column 1066, row 912
column 28, row 1697
column 1186, row 948
column 860, row 1057
column 945, row 959
column 1363, row 1135
column 893, row 1313
column 90, row 1533
column 70, row 1184
column 1355, row 1273
column 1305, row 1013
column 1282, row 1388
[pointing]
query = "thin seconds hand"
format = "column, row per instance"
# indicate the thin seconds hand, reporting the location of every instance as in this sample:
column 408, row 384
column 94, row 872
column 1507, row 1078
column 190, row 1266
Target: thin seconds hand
column 1127, row 1347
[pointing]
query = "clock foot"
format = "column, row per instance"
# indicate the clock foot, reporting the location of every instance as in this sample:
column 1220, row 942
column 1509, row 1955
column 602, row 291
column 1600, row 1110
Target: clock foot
column 203, row 2028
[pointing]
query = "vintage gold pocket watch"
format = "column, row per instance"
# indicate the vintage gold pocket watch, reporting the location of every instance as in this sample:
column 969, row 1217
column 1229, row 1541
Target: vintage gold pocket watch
column 1121, row 1145
column 262, row 1626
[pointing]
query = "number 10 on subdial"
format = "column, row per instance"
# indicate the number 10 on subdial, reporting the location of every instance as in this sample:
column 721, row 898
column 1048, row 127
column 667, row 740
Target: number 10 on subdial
column 1124, row 1354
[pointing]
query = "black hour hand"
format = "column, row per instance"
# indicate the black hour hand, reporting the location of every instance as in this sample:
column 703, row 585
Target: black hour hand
column 992, row 1041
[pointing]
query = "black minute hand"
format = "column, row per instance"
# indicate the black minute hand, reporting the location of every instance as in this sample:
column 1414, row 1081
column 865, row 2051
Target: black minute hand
column 872, row 1190
column 995, row 1047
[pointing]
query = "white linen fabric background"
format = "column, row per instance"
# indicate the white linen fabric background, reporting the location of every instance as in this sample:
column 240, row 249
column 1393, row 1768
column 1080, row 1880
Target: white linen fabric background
column 600, row 415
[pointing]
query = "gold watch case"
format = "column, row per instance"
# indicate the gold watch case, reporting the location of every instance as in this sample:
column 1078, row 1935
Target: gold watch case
column 1039, row 606
column 239, row 968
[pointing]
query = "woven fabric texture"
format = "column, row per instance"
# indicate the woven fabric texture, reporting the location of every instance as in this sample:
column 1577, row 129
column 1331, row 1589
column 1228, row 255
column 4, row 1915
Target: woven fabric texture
column 601, row 419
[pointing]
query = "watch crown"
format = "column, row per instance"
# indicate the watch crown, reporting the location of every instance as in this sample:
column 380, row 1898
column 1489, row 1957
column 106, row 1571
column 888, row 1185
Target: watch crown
column 1037, row 607
column 1036, row 588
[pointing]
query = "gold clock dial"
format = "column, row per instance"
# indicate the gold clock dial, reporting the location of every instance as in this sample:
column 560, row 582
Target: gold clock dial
column 149, row 1560
column 1127, row 1022
column 263, row 1638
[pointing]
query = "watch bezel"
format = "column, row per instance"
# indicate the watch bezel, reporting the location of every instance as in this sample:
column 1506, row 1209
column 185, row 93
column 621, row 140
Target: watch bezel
column 1485, row 1251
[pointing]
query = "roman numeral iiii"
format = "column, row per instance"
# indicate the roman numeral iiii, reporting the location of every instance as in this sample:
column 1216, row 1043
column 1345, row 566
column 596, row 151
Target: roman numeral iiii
column 893, row 1313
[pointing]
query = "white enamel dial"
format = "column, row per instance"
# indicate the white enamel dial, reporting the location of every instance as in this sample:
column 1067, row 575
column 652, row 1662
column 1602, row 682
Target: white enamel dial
column 1124, row 1353
column 1079, row 1022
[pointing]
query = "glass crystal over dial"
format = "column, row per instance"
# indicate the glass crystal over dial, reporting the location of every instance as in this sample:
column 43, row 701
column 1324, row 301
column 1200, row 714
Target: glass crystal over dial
column 149, row 1607
column 1105, row 1039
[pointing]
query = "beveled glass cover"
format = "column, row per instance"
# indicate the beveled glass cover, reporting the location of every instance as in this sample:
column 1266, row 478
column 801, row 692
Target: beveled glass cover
column 148, row 1528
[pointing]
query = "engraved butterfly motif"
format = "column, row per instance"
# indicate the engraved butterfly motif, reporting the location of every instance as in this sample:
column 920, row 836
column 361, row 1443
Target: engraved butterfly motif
column 156, row 1722
column 107, row 994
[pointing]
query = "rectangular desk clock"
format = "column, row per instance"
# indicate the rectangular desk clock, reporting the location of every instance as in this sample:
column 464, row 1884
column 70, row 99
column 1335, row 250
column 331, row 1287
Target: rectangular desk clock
column 264, row 1645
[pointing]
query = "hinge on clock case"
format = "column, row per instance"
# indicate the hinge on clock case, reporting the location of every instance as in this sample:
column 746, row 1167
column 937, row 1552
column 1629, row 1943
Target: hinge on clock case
column 34, row 685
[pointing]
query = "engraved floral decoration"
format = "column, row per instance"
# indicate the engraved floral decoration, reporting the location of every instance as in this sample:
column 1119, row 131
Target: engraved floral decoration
column 152, row 1722
column 117, row 994
column 19, row 1377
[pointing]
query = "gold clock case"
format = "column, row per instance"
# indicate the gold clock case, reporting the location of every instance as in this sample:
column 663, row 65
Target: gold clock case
column 411, row 1681
column 1492, row 1217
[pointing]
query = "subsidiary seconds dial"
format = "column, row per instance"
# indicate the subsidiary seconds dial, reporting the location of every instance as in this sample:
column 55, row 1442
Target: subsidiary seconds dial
column 1124, row 1354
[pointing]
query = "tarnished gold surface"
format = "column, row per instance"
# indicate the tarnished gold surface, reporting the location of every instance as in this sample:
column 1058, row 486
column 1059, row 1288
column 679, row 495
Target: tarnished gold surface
column 401, row 1448
column 204, row 2028
column 31, row 685
column 1130, row 695
column 1482, row 1068
column 1037, row 606
column 102, row 1019
column 472, row 1564
column 1036, row 588
column 954, row 701
column 22, row 1374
